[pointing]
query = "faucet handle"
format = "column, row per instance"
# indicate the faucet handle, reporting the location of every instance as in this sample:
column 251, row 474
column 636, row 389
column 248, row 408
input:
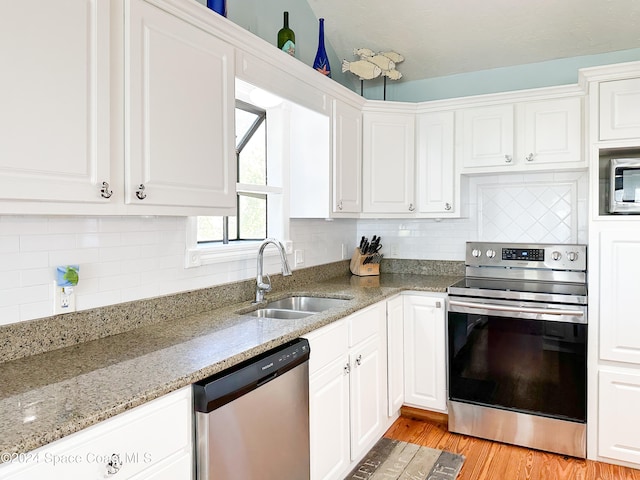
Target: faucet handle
column 265, row 283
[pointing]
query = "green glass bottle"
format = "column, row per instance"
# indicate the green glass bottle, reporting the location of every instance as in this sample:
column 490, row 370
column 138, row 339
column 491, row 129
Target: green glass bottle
column 286, row 37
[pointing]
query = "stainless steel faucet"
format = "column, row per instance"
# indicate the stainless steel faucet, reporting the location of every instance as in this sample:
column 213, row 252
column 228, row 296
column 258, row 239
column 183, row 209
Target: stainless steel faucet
column 263, row 286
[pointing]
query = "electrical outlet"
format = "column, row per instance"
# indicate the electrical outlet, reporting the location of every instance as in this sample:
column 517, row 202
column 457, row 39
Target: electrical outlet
column 345, row 251
column 64, row 299
column 393, row 250
column 288, row 247
column 298, row 256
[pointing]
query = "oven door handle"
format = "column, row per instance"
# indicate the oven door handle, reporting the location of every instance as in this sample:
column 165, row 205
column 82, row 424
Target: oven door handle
column 505, row 308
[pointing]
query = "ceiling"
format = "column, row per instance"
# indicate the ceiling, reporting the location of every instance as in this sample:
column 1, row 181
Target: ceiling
column 446, row 37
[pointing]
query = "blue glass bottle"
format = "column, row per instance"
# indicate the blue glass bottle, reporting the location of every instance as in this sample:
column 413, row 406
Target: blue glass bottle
column 219, row 6
column 321, row 63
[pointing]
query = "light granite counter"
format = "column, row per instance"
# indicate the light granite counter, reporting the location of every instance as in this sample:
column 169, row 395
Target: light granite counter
column 49, row 395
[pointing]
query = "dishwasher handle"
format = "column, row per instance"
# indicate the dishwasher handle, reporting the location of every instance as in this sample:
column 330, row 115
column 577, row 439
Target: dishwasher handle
column 218, row 390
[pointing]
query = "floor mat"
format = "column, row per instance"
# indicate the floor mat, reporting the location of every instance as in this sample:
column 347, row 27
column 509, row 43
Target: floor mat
column 395, row 460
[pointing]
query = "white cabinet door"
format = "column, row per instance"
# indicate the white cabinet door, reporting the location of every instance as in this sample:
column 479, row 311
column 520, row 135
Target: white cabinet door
column 347, row 390
column 179, row 111
column 487, row 136
column 143, row 439
column 54, row 92
column 618, row 415
column 388, row 163
column 619, row 267
column 367, row 393
column 395, row 354
column 329, row 419
column 424, row 347
column 620, row 109
column 347, row 158
column 550, row 132
column 547, row 135
column 435, row 162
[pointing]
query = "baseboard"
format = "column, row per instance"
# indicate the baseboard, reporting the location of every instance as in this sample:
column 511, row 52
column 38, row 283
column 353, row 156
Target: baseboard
column 424, row 415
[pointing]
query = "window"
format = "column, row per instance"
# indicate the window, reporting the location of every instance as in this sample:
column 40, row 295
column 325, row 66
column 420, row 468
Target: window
column 251, row 155
column 262, row 128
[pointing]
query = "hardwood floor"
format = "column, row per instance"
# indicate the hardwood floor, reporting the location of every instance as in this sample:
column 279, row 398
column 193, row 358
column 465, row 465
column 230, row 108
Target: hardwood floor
column 487, row 460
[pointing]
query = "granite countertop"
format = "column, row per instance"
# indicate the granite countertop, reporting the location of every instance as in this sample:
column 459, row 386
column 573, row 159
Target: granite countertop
column 49, row 395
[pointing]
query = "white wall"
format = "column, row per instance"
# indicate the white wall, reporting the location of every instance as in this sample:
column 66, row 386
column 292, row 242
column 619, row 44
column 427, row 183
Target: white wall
column 127, row 258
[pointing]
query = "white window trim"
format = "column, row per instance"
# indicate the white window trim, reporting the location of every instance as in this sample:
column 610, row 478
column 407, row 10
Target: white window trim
column 198, row 254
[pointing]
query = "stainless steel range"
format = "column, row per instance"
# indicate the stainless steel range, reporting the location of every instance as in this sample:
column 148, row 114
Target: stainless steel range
column 517, row 346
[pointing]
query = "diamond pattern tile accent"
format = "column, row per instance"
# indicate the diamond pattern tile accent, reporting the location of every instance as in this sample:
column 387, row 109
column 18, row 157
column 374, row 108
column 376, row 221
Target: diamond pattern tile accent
column 528, row 212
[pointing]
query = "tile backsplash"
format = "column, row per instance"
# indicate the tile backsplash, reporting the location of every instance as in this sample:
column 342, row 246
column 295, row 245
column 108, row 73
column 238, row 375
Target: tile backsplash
column 131, row 258
column 534, row 207
column 127, row 258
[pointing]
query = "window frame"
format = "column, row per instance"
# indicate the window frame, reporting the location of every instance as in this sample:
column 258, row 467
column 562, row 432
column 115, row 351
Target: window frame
column 197, row 255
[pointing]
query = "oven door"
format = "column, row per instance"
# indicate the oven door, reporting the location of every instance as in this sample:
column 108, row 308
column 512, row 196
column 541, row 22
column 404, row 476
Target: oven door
column 525, row 357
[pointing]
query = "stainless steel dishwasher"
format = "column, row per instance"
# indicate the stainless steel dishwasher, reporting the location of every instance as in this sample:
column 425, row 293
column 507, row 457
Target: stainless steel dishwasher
column 252, row 420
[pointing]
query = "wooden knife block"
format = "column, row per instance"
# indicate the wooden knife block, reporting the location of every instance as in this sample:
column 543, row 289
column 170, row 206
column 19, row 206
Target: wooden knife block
column 358, row 268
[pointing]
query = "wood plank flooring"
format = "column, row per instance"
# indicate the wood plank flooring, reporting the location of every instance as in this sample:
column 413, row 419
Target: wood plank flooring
column 487, row 460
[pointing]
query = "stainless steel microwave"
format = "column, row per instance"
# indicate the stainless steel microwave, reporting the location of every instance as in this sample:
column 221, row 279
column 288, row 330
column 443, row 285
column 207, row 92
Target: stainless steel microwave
column 624, row 188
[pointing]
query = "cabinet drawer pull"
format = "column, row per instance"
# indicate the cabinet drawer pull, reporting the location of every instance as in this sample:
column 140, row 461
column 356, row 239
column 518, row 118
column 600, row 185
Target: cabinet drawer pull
column 114, row 464
column 359, row 360
column 340, row 205
column 447, row 206
column 104, row 191
column 347, row 369
column 140, row 192
column 411, row 207
column 508, row 158
column 529, row 158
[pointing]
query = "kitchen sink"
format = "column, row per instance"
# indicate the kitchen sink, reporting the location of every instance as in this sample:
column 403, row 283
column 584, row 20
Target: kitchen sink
column 279, row 313
column 304, row 303
column 296, row 306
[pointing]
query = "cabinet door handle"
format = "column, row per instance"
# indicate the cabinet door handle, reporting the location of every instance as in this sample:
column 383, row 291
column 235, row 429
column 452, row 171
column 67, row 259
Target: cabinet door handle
column 140, row 192
column 347, row 368
column 114, row 464
column 104, row 191
column 447, row 206
column 340, row 205
column 508, row 158
column 359, row 360
column 438, row 304
column 529, row 158
column 411, row 207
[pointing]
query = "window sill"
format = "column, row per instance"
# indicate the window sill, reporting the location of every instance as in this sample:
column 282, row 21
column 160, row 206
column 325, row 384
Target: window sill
column 201, row 255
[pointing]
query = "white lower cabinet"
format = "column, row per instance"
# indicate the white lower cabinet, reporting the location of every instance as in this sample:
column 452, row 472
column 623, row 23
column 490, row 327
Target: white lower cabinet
column 152, row 441
column 425, row 383
column 347, row 390
column 395, row 354
column 618, row 414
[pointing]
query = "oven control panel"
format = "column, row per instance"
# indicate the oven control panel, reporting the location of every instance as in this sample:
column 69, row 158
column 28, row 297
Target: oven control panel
column 544, row 256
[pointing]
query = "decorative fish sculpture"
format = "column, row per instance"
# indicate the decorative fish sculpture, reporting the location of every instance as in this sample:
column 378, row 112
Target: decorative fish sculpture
column 392, row 74
column 393, row 56
column 363, row 53
column 364, row 69
column 383, row 62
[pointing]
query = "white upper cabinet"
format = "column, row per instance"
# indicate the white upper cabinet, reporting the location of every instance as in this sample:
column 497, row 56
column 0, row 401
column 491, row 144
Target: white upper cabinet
column 388, row 162
column 487, row 136
column 435, row 163
column 55, row 100
column 620, row 109
column 546, row 134
column 347, row 158
column 550, row 132
column 179, row 111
